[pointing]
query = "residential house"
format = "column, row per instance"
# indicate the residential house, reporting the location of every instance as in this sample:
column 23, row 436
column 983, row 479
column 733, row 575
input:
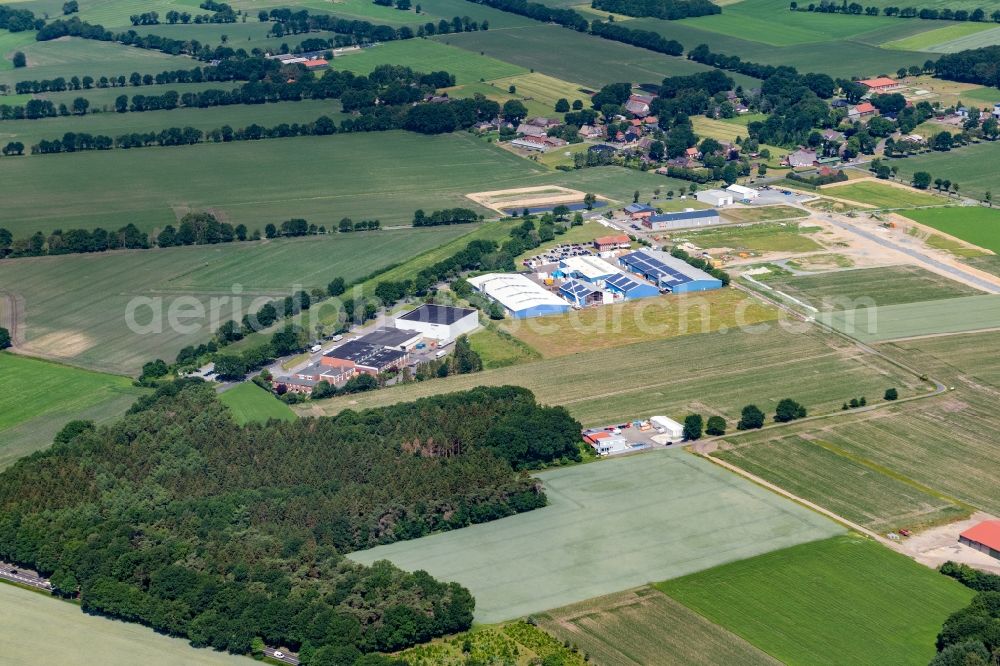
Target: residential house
column 591, row 132
column 801, row 158
column 860, row 111
column 638, row 105
column 996, row 110
column 527, row 129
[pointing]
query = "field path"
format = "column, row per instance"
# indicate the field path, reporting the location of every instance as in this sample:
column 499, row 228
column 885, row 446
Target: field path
column 11, row 315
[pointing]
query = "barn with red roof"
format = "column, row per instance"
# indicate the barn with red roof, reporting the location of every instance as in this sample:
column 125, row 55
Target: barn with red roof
column 984, row 537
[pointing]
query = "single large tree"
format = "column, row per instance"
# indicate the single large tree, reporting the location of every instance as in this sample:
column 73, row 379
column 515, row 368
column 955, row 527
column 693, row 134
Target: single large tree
column 751, row 418
column 789, row 410
column 693, row 426
column 4, row 338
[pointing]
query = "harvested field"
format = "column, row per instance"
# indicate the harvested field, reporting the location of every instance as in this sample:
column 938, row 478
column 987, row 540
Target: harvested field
column 760, row 237
column 711, row 373
column 645, row 626
column 764, row 213
column 605, row 327
column 842, row 600
column 610, row 511
column 890, row 285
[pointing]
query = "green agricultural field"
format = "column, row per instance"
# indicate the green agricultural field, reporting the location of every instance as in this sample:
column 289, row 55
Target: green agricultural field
column 854, row 488
column 882, row 195
column 38, row 398
column 44, row 630
column 762, row 237
column 75, row 306
column 979, row 226
column 770, row 22
column 938, row 39
column 499, row 349
column 426, row 55
column 844, row 57
column 249, row 402
column 962, row 165
column 573, row 56
column 891, row 285
column 711, row 373
column 115, row 13
column 536, row 91
column 645, row 626
column 604, row 513
column 842, row 600
column 30, row 132
column 952, row 315
column 644, row 320
column 778, row 213
column 11, row 42
column 73, row 56
column 379, row 175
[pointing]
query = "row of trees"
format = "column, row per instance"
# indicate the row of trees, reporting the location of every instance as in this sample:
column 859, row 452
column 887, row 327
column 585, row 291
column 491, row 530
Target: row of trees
column 244, row 69
column 752, row 418
column 980, row 66
column 663, row 9
column 445, row 216
column 72, row 241
column 251, row 523
column 978, row 15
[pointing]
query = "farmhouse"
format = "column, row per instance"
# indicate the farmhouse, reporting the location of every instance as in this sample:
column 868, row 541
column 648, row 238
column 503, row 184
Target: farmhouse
column 743, row 193
column 604, row 442
column 881, row 84
column 862, row 110
column 521, row 297
column 801, row 158
column 361, row 356
column 683, row 220
column 316, row 63
column 608, row 243
column 714, row 197
column 439, row 322
column 984, row 537
column 669, row 273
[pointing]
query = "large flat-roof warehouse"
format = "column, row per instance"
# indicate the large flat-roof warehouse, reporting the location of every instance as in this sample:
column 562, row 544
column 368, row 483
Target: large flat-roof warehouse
column 667, row 272
column 521, row 297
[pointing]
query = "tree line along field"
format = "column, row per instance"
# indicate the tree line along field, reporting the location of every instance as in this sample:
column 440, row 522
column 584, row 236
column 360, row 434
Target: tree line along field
column 48, row 631
column 645, row 626
column 710, row 373
column 840, row 600
column 75, row 305
column 29, row 419
column 103, row 99
column 30, row 132
column 976, row 225
column 379, row 175
column 73, row 56
column 610, row 517
column 963, row 166
column 889, row 285
column 909, row 465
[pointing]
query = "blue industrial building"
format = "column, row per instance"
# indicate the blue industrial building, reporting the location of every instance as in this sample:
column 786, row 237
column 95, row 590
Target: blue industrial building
column 579, row 293
column 669, row 273
column 630, row 288
column 520, row 297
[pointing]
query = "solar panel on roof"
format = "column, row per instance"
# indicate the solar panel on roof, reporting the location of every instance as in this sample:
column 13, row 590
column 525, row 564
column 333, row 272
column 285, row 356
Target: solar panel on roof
column 622, row 282
column 577, row 289
column 653, row 267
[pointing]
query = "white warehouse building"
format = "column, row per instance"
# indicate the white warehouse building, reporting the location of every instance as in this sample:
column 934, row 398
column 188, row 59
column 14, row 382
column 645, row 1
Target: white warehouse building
column 741, row 193
column 715, row 197
column 439, row 322
column 521, row 297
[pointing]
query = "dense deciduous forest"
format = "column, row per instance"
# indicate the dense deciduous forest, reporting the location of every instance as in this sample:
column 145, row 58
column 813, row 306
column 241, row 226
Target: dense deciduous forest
column 971, row 635
column 980, row 66
column 178, row 518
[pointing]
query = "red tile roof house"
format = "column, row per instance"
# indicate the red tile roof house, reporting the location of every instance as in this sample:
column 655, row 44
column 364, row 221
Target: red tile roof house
column 861, row 110
column 984, row 537
column 881, row 84
column 316, row 63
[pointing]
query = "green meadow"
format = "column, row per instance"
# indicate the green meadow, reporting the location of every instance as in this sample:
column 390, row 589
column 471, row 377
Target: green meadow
column 37, row 398
column 962, row 165
column 425, row 55
column 249, row 402
column 845, row 600
column 979, row 226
